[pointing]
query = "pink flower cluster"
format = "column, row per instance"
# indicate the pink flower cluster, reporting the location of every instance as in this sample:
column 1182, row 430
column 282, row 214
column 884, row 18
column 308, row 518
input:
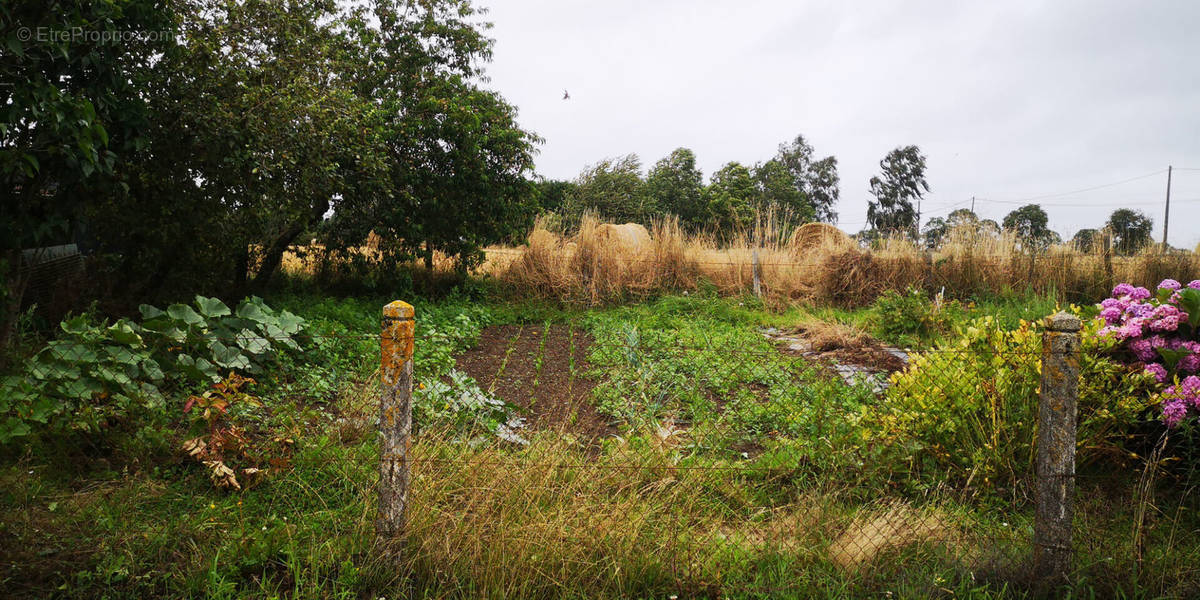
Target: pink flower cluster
column 1177, row 399
column 1152, row 325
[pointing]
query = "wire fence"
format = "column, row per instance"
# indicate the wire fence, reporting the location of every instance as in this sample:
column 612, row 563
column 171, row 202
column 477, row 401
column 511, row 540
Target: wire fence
column 556, row 457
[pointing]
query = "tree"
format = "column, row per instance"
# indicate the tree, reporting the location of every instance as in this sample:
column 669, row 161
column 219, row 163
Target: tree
column 963, row 217
column 612, row 188
column 1029, row 224
column 935, row 232
column 676, row 186
column 70, row 107
column 368, row 117
column 552, row 193
column 1131, row 230
column 729, row 198
column 901, row 183
column 1085, row 240
column 795, row 181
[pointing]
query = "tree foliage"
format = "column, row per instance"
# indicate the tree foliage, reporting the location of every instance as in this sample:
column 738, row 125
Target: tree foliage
column 795, row 181
column 900, row 184
column 730, row 198
column 676, row 186
column 1086, row 240
column 613, row 189
column 1030, row 224
column 1131, row 230
column 247, row 124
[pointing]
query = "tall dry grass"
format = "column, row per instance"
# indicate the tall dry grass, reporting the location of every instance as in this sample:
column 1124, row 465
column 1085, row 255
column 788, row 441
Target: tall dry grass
column 585, row 267
column 555, row 519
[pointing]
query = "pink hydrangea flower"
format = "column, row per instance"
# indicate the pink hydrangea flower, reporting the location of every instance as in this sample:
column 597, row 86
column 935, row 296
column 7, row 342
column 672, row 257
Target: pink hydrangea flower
column 1173, row 411
column 1194, row 284
column 1169, row 284
column 1158, row 371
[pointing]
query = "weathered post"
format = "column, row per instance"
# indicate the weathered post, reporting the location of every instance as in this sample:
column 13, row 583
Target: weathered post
column 756, row 270
column 395, row 421
column 1052, row 550
column 1106, row 248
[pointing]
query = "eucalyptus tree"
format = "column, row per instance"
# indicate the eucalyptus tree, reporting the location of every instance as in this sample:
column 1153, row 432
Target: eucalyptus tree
column 901, row 183
column 797, row 181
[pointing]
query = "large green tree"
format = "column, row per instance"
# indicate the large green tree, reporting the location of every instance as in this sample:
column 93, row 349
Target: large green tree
column 1132, row 230
column 900, row 184
column 269, row 118
column 613, row 189
column 729, row 199
column 675, row 185
column 70, row 106
column 1031, row 226
column 793, row 179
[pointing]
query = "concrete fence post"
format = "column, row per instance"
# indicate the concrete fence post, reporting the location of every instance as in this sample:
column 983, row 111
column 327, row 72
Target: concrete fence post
column 1052, row 550
column 395, row 420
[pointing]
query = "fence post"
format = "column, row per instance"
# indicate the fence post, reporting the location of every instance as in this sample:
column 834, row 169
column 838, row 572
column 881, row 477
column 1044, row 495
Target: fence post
column 1052, row 551
column 395, row 420
column 1106, row 249
column 756, row 270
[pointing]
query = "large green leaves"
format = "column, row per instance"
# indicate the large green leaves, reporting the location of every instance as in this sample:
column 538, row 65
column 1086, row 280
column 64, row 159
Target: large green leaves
column 97, row 371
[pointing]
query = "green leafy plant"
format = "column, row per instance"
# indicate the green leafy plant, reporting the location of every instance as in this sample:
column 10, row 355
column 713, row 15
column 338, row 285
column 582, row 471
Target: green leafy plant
column 910, row 316
column 462, row 406
column 969, row 406
column 97, row 372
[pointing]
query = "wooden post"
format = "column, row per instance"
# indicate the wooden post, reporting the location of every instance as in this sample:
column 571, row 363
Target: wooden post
column 757, row 269
column 1052, row 552
column 395, row 421
column 1109, row 278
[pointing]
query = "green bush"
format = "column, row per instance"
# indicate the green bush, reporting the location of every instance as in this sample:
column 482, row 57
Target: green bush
column 911, row 316
column 969, row 406
column 96, row 372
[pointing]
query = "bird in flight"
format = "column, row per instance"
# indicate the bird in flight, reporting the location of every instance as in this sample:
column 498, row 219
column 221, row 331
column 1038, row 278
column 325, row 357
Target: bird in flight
column 566, row 96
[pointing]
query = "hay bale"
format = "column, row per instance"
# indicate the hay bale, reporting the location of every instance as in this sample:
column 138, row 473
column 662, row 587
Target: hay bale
column 629, row 236
column 813, row 236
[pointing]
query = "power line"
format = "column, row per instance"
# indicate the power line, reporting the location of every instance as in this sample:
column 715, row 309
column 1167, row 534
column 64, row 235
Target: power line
column 1081, row 190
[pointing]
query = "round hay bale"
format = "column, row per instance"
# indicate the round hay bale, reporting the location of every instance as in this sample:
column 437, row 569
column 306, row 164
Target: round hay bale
column 811, row 236
column 631, row 236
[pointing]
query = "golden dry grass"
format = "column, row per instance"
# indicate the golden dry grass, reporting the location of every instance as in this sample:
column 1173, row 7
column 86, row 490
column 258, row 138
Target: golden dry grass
column 813, row 263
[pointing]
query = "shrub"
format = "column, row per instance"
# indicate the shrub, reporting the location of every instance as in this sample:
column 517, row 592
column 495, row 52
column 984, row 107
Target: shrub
column 96, row 373
column 969, row 406
column 911, row 314
column 1160, row 332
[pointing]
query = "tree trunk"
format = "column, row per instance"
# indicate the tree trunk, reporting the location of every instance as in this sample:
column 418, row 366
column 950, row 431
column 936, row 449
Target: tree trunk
column 273, row 253
column 16, row 282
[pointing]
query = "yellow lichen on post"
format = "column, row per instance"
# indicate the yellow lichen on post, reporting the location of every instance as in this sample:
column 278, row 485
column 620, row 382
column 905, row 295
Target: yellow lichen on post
column 396, row 339
column 395, row 421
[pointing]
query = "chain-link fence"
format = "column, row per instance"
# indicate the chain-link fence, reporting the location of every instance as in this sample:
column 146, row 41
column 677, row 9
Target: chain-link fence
column 574, row 457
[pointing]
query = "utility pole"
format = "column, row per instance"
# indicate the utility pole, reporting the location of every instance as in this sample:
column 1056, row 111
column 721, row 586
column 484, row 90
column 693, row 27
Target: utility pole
column 973, row 205
column 1167, row 212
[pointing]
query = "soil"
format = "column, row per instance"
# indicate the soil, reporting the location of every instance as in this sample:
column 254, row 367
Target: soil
column 558, row 396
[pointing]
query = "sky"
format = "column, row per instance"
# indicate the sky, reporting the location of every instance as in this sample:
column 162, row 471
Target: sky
column 1011, row 102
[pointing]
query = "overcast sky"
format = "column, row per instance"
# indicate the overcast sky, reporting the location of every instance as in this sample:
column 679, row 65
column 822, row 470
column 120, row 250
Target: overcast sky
column 1008, row 100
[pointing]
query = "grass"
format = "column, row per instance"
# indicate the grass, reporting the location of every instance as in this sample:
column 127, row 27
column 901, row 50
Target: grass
column 735, row 472
column 587, row 267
